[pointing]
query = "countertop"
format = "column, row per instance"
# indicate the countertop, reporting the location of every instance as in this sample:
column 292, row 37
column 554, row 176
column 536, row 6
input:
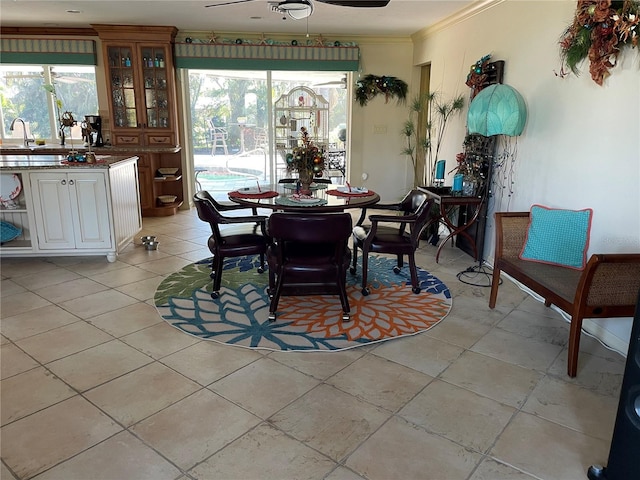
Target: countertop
column 39, row 161
column 52, row 149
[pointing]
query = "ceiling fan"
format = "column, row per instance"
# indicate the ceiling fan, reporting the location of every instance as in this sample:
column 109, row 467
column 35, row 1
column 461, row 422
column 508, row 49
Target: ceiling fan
column 299, row 9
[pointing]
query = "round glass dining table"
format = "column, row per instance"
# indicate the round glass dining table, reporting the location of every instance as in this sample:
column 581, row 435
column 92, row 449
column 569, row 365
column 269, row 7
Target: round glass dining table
column 283, row 198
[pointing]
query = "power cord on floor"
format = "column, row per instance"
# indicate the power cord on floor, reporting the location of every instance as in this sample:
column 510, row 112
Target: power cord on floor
column 471, row 275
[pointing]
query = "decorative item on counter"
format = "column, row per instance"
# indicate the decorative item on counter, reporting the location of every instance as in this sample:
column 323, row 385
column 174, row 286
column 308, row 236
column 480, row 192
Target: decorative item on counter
column 372, row 85
column 458, row 179
column 307, row 160
column 600, row 30
column 439, row 180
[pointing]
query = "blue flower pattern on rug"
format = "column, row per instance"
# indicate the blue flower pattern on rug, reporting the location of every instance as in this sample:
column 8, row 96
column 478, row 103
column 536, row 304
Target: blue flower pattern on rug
column 239, row 315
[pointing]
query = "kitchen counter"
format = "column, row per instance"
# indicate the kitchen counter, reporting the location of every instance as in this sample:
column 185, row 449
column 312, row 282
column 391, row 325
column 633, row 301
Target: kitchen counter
column 52, row 149
column 41, row 161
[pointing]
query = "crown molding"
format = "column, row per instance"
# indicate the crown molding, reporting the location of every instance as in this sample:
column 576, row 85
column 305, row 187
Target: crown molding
column 472, row 10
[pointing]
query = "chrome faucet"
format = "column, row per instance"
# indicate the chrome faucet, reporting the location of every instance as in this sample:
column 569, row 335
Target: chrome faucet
column 26, row 140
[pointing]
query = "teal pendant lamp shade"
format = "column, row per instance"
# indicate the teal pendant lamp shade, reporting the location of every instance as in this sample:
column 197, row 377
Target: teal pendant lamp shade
column 497, row 110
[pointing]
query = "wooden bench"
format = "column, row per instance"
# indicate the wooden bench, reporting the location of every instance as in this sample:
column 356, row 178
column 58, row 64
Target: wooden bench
column 607, row 287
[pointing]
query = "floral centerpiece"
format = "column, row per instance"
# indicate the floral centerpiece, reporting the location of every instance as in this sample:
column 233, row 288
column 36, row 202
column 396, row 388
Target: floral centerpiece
column 307, row 160
column 599, row 31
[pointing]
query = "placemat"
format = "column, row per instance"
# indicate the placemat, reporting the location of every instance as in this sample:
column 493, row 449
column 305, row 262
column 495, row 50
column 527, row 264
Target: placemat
column 289, row 202
column 338, row 193
column 265, row 194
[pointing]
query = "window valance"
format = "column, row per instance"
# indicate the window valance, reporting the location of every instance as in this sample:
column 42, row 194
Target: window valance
column 266, row 57
column 53, row 51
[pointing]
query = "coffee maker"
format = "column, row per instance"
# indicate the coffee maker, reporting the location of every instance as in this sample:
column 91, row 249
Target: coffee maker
column 95, row 121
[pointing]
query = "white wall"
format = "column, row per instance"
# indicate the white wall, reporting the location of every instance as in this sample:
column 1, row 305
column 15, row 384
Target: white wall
column 581, row 145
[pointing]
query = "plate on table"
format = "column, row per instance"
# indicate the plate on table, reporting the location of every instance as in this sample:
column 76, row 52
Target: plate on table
column 10, row 186
column 310, row 200
column 353, row 190
column 250, row 190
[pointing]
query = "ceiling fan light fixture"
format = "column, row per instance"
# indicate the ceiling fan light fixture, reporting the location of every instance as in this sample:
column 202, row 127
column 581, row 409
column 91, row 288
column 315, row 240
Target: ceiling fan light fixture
column 296, row 9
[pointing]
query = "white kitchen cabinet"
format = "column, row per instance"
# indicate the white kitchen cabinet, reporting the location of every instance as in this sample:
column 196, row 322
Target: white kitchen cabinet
column 71, row 210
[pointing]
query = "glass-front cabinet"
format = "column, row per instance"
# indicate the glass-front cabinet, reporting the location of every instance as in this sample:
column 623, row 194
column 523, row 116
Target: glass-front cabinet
column 140, row 84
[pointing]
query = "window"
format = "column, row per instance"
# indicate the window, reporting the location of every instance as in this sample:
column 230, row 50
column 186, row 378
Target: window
column 232, row 116
column 22, row 95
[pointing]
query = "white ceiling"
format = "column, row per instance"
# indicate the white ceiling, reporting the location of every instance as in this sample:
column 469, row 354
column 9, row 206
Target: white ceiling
column 399, row 17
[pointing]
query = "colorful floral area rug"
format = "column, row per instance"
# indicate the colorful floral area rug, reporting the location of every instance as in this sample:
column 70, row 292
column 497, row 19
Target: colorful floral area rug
column 310, row 323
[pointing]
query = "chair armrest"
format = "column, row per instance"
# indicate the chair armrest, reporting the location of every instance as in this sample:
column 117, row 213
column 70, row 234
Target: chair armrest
column 609, row 280
column 392, row 218
column 511, row 233
column 249, row 219
column 224, row 207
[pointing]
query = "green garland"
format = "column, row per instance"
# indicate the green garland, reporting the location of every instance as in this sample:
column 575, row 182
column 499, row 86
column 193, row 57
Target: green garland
column 372, row 85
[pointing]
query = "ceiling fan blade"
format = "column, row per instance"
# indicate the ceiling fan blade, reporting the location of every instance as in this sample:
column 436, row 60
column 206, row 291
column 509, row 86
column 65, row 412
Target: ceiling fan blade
column 357, row 3
column 232, row 2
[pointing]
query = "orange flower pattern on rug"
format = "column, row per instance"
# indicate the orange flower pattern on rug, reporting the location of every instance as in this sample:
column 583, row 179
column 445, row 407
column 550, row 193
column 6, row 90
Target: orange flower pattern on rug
column 308, row 323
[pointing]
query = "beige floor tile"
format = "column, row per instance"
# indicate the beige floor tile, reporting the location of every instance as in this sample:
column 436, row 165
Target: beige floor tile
column 165, row 266
column 21, row 303
column 458, row 331
column 141, row 393
column 140, row 256
column 134, row 461
column 266, row 454
column 489, row 469
column 127, row 320
column 196, row 255
column 205, row 362
column 62, row 341
column 513, row 348
column 501, row 381
column 551, row 330
column 179, row 247
column 39, row 441
column 264, row 386
column 403, row 451
column 89, row 266
column 342, row 473
column 53, row 276
column 122, row 276
column 381, row 382
column 99, row 364
column 574, row 407
column 419, row 352
column 29, row 392
column 602, row 375
column 194, row 428
column 458, row 414
column 5, row 474
column 36, row 321
column 9, row 288
column 320, row 365
column 159, row 340
column 548, row 450
column 14, row 361
column 16, row 267
column 97, row 303
column 330, row 421
column 70, row 290
column 476, row 309
column 143, row 290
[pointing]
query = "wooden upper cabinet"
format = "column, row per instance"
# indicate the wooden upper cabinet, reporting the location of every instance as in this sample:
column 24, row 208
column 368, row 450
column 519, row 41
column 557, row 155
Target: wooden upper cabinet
column 140, row 76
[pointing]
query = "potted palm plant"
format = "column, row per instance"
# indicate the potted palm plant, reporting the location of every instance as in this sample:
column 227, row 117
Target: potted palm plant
column 424, row 131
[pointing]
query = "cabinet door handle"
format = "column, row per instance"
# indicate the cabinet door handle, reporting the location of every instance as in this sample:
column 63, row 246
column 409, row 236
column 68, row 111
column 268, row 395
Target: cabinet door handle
column 63, row 182
column 70, row 182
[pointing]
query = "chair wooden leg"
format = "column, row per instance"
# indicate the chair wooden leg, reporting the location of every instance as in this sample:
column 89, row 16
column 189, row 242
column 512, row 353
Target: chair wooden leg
column 495, row 282
column 275, row 298
column 261, row 267
column 217, row 267
column 365, row 267
column 355, row 257
column 415, row 286
column 342, row 289
column 574, row 345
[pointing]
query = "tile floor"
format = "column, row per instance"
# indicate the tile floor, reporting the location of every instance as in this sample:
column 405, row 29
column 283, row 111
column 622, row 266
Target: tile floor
column 96, row 386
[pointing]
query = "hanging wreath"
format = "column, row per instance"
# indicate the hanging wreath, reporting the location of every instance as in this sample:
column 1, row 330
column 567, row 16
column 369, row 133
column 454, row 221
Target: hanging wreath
column 372, row 85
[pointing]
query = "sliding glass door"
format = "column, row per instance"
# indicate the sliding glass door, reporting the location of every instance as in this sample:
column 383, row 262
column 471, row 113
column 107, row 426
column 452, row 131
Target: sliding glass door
column 233, row 123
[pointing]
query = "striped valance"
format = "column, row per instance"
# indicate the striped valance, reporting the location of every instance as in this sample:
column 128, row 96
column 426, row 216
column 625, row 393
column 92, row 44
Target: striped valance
column 53, row 51
column 266, row 57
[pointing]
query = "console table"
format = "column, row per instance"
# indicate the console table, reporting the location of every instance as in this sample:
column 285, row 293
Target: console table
column 468, row 209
